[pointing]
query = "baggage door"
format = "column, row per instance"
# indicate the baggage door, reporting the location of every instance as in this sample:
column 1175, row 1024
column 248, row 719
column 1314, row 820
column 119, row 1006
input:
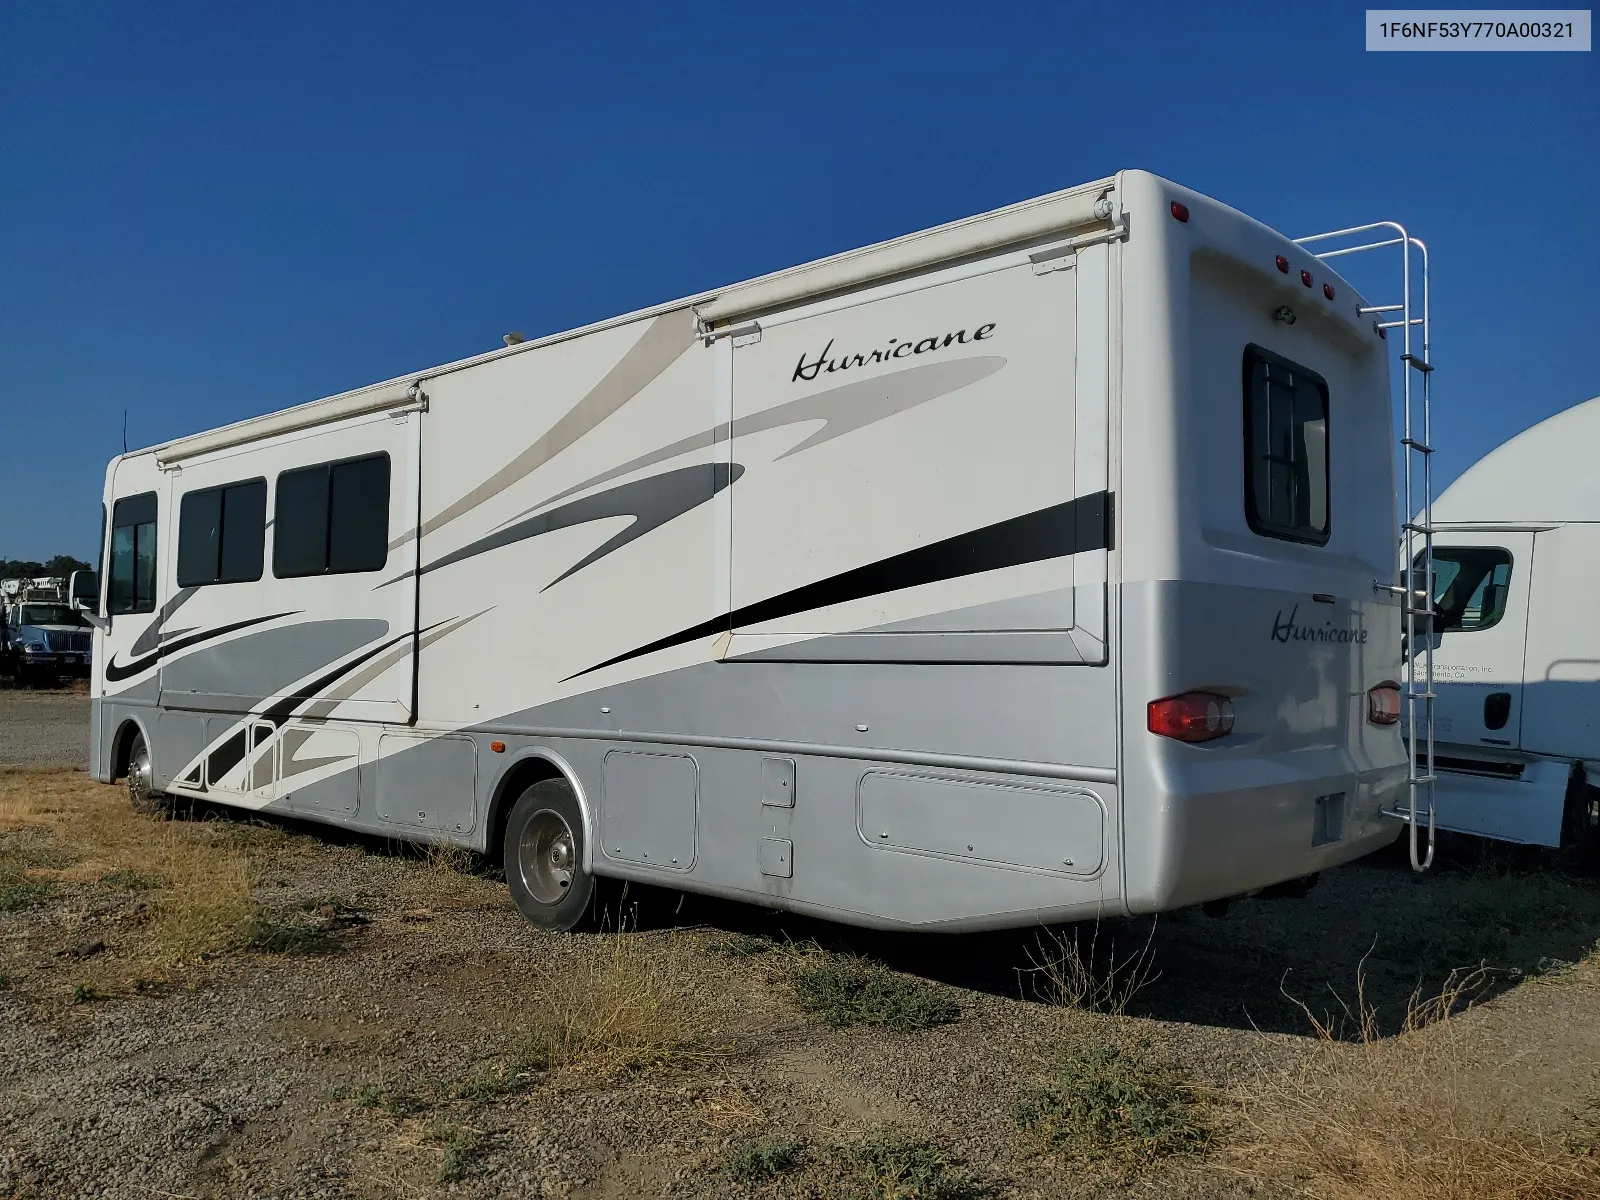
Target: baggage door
column 1481, row 594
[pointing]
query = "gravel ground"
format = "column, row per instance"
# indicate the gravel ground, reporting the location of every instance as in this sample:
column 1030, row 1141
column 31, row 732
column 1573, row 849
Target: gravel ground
column 43, row 728
column 358, row 1071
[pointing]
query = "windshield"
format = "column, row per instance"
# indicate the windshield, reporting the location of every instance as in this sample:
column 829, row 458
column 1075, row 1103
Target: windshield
column 45, row 614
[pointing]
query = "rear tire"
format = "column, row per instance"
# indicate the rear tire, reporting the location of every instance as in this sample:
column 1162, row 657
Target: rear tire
column 543, row 854
column 141, row 777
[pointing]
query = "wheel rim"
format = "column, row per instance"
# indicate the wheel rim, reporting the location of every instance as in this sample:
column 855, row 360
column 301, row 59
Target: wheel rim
column 140, row 776
column 547, row 856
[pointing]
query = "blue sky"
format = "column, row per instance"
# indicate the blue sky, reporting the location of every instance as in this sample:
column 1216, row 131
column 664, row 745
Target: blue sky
column 211, row 211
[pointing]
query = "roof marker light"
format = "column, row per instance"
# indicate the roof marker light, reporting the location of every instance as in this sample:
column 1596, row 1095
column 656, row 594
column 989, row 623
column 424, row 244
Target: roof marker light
column 1305, row 278
column 1327, row 290
column 1283, row 264
column 1181, row 211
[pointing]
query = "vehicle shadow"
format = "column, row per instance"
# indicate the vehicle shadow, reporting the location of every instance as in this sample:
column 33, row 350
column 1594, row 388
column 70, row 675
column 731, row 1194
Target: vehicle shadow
column 1485, row 920
column 1488, row 915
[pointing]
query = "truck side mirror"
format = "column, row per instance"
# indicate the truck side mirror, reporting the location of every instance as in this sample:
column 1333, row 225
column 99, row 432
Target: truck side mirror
column 83, row 594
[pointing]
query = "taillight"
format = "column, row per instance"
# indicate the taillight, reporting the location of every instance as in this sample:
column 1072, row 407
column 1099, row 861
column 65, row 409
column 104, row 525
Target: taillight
column 1383, row 704
column 1192, row 717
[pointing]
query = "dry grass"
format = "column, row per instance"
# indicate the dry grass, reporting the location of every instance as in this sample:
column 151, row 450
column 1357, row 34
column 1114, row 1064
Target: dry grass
column 1073, row 970
column 194, row 876
column 1409, row 1117
column 615, row 1002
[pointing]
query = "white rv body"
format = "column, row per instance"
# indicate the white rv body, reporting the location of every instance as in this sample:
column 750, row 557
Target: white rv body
column 1517, row 657
column 842, row 591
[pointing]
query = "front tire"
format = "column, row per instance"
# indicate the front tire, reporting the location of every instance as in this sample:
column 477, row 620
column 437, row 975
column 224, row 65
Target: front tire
column 543, row 854
column 141, row 777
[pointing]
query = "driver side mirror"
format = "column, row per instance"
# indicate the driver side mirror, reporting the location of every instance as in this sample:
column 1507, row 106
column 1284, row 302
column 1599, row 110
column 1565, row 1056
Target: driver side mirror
column 83, row 594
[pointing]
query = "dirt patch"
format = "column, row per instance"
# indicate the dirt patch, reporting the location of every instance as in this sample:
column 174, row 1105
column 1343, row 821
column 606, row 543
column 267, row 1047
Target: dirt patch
column 206, row 1004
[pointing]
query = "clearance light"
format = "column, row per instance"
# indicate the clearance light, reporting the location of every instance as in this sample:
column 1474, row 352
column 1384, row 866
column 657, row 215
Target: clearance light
column 1181, row 211
column 498, row 747
column 1283, row 264
column 1305, row 278
column 1327, row 290
column 1191, row 717
column 1383, row 704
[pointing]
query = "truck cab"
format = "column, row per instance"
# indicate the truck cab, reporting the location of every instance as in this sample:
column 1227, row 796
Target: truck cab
column 41, row 638
column 1516, row 640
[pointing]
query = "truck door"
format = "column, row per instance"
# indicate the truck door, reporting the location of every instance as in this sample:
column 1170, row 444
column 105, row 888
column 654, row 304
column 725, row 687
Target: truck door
column 1481, row 593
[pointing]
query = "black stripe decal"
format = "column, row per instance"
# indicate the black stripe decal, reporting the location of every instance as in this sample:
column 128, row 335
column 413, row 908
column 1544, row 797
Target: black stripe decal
column 651, row 502
column 280, row 712
column 114, row 673
column 1074, row 527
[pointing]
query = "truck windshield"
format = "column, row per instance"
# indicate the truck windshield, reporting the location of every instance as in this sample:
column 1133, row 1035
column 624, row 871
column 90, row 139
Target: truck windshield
column 46, row 614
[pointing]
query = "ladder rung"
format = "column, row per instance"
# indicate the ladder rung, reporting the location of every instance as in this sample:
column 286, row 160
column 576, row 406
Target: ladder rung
column 1416, row 445
column 1415, row 528
column 1422, row 695
column 1423, row 779
column 1416, row 362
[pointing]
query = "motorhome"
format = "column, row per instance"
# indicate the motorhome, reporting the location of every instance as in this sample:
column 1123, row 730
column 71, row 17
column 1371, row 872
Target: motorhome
column 1516, row 638
column 1028, row 568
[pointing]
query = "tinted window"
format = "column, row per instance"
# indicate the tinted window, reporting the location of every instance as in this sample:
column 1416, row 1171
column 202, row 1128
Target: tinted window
column 1286, row 448
column 1470, row 586
column 332, row 518
column 221, row 532
column 133, row 555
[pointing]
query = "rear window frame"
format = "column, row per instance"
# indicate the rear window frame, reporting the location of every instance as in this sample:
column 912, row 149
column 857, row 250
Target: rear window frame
column 1262, row 526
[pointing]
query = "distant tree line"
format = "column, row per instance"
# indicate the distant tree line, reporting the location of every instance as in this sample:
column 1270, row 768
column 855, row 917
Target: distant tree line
column 22, row 568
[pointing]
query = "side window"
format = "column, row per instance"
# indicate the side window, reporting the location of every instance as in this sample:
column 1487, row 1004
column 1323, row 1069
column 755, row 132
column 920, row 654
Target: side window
column 133, row 555
column 332, row 518
column 221, row 533
column 1285, row 448
column 1470, row 586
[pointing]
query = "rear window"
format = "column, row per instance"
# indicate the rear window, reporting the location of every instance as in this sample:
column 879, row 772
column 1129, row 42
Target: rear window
column 1470, row 585
column 1285, row 448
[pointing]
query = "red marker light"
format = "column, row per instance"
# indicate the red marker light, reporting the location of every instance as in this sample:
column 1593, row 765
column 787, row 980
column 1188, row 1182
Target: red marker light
column 1383, row 704
column 1191, row 717
column 1283, row 264
column 1181, row 211
column 1327, row 290
column 1305, row 278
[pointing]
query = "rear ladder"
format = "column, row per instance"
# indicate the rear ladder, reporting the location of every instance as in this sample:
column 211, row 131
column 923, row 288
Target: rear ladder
column 1416, row 443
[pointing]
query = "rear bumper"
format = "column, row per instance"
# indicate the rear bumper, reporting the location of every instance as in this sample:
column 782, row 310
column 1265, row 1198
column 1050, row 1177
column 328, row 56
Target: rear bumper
column 1225, row 842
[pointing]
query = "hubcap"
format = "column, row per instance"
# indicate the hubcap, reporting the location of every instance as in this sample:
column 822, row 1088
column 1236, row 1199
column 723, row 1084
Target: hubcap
column 140, row 777
column 547, row 856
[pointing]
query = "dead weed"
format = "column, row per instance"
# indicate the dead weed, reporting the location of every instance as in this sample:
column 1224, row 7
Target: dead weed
column 1408, row 1117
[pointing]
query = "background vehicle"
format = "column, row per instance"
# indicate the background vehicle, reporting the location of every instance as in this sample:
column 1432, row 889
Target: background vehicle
column 41, row 638
column 1017, row 570
column 1517, row 638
